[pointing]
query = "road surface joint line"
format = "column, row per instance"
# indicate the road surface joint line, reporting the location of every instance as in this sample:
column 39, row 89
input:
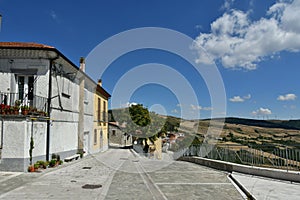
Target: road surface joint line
column 193, row 183
column 150, row 183
column 108, row 181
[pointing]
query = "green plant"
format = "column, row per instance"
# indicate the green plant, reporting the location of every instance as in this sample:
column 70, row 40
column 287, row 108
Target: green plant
column 42, row 164
column 24, row 107
column 36, row 165
column 60, row 162
column 52, row 163
column 53, row 156
column 17, row 103
column 58, row 157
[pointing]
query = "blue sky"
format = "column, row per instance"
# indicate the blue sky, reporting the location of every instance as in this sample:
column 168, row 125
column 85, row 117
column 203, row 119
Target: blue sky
column 255, row 45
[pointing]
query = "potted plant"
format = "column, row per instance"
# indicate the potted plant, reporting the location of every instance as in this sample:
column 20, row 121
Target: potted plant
column 17, row 103
column 52, row 163
column 2, row 109
column 15, row 110
column 30, row 168
column 36, row 166
column 25, row 110
column 7, row 109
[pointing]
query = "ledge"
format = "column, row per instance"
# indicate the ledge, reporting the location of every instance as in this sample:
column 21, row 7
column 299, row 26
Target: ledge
column 285, row 175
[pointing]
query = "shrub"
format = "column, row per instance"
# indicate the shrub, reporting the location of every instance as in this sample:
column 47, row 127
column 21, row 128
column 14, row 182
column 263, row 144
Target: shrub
column 53, row 156
column 58, row 157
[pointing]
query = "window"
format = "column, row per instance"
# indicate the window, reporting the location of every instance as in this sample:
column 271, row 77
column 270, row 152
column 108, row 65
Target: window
column 86, row 100
column 113, row 132
column 95, row 137
column 104, row 113
column 99, row 111
column 25, row 87
column 65, row 87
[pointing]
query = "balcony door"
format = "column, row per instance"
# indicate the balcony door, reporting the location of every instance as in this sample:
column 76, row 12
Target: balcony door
column 25, row 87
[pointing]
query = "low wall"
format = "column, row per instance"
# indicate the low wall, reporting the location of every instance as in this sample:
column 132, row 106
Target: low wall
column 257, row 171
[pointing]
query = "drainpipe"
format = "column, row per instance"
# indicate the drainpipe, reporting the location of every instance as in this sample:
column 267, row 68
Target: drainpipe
column 49, row 109
column 2, row 131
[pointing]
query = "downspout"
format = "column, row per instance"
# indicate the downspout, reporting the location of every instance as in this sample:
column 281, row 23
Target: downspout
column 2, row 132
column 49, row 109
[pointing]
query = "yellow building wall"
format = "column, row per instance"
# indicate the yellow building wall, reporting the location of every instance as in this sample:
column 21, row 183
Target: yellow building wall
column 100, row 124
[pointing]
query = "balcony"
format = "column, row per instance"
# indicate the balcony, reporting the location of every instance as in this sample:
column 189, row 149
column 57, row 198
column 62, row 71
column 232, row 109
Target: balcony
column 11, row 103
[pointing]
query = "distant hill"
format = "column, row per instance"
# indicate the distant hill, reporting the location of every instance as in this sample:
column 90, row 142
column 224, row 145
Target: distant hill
column 285, row 124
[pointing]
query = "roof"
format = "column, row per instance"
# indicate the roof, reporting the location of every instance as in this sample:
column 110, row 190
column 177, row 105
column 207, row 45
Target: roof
column 24, row 45
column 103, row 92
column 115, row 124
column 59, row 55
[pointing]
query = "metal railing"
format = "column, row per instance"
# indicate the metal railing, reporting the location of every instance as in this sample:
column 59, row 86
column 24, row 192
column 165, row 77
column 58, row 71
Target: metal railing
column 12, row 99
column 281, row 157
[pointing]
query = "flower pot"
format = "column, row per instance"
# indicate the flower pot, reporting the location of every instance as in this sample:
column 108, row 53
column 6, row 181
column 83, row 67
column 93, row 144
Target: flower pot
column 25, row 112
column 31, row 168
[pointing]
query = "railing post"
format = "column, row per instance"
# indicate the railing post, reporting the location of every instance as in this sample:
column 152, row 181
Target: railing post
column 286, row 155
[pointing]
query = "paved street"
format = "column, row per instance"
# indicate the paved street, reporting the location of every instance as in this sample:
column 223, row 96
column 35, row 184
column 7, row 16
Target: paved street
column 120, row 174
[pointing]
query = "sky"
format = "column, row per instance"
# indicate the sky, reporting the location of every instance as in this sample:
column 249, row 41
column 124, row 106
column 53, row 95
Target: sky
column 253, row 44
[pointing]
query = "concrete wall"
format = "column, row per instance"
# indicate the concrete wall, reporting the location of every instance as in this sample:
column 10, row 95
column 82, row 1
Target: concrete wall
column 16, row 142
column 232, row 167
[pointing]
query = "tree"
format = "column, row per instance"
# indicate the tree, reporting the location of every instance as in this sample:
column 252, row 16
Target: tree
column 139, row 122
column 171, row 124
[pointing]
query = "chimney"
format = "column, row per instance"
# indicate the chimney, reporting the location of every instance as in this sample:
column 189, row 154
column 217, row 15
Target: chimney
column 82, row 64
column 100, row 82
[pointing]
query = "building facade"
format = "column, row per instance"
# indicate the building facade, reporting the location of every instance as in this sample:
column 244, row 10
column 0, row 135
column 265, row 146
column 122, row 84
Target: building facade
column 100, row 134
column 117, row 137
column 61, row 98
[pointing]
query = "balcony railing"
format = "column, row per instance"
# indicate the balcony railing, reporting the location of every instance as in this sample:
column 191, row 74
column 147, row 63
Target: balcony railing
column 13, row 99
column 102, row 117
column 282, row 157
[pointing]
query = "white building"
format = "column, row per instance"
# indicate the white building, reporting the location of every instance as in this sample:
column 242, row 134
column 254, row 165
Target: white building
column 40, row 76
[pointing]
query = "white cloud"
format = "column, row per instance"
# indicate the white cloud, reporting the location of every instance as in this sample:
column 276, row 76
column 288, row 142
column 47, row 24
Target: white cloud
column 192, row 108
column 238, row 42
column 195, row 107
column 262, row 111
column 53, row 14
column 128, row 104
column 240, row 99
column 227, row 4
column 287, row 97
column 174, row 111
column 207, row 108
column 236, row 99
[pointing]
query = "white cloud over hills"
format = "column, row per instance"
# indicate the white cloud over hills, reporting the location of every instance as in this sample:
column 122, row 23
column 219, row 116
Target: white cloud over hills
column 238, row 42
column 262, row 111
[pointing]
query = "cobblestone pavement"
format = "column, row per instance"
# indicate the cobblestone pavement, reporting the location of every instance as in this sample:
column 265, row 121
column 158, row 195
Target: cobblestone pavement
column 120, row 174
